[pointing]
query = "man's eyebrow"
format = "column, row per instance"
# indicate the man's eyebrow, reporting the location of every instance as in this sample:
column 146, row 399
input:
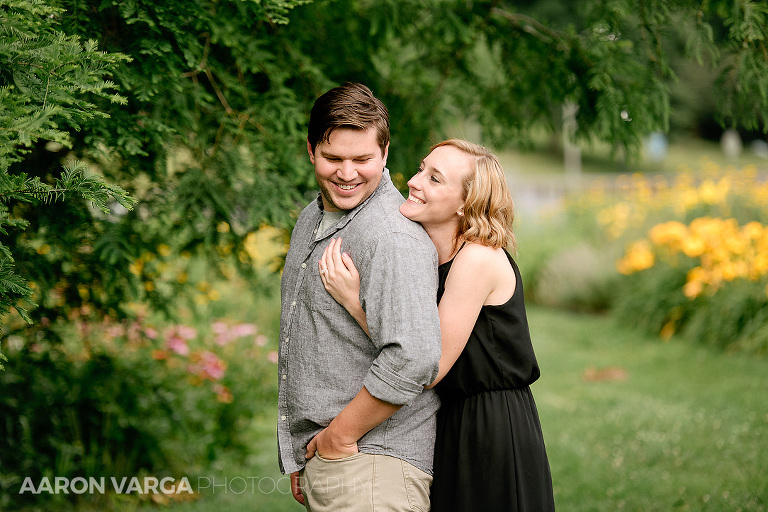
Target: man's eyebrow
column 326, row 154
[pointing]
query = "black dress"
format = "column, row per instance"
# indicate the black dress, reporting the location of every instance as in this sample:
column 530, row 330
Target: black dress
column 489, row 454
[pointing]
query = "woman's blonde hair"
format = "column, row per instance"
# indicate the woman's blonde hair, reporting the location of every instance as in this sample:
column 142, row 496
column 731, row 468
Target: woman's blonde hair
column 488, row 207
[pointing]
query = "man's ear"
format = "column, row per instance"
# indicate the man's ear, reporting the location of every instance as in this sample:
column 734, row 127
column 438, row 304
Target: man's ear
column 311, row 153
column 386, row 153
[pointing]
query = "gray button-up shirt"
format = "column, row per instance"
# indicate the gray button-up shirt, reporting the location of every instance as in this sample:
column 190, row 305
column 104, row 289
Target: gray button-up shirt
column 325, row 357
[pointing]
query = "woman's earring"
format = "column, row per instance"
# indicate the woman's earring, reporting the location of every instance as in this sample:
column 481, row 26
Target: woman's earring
column 460, row 212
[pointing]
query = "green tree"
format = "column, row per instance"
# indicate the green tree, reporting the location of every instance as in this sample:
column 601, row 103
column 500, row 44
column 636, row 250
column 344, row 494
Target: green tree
column 512, row 65
column 211, row 138
column 45, row 80
column 205, row 138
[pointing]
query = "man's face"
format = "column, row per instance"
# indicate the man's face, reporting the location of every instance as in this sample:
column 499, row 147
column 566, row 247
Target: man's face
column 348, row 167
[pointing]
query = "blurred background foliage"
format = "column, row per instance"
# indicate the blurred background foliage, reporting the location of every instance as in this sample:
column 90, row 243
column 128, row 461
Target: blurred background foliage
column 216, row 96
column 152, row 162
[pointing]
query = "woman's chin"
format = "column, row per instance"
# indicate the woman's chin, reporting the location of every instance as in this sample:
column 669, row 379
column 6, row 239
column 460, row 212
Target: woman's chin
column 406, row 211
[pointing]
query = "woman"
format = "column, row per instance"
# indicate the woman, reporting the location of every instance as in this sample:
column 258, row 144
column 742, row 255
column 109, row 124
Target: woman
column 489, row 453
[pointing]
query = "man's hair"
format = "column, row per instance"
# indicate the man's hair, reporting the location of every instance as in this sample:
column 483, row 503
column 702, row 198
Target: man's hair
column 350, row 105
column 488, row 207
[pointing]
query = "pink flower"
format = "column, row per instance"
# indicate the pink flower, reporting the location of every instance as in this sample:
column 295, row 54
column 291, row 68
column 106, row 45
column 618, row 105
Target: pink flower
column 272, row 356
column 114, row 331
column 213, row 366
column 260, row 340
column 243, row 330
column 207, row 365
column 133, row 332
column 223, row 394
column 186, row 332
column 219, row 327
column 178, row 345
column 150, row 333
column 224, row 338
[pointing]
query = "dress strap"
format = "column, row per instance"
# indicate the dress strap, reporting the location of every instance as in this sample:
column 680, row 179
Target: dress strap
column 460, row 248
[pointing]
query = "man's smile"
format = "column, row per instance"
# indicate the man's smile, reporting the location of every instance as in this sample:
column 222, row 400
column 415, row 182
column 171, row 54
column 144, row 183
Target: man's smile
column 346, row 187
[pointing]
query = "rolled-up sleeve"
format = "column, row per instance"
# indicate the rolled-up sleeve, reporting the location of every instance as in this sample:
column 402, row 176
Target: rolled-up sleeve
column 398, row 292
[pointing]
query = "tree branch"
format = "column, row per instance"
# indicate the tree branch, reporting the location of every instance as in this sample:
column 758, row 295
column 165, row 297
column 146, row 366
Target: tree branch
column 530, row 25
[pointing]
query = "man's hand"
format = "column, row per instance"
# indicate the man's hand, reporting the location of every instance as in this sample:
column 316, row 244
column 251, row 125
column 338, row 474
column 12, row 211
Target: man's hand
column 296, row 487
column 330, row 446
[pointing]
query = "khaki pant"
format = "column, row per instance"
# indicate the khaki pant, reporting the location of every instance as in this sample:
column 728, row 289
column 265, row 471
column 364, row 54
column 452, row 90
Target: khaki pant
column 364, row 483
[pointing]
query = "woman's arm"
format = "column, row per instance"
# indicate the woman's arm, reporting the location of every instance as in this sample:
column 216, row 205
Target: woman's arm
column 342, row 281
column 477, row 273
column 472, row 278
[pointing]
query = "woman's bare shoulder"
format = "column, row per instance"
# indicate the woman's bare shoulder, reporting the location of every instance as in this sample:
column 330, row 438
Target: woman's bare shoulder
column 487, row 269
column 478, row 254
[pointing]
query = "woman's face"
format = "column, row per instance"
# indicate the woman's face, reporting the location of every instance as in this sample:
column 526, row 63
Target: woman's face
column 435, row 191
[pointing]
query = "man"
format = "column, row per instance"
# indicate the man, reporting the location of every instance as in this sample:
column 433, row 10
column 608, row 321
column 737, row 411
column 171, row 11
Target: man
column 351, row 406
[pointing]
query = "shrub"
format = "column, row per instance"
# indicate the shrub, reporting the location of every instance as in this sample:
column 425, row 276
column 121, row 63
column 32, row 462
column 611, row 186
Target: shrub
column 578, row 277
column 128, row 398
column 719, row 274
column 691, row 255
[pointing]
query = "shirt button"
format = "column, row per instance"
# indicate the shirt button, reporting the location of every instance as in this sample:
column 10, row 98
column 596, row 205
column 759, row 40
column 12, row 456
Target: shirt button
column 282, row 417
column 285, row 376
column 303, row 265
column 287, row 340
column 293, row 303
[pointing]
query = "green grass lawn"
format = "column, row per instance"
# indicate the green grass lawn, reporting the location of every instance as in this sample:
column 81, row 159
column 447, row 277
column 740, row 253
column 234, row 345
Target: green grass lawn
column 673, row 427
column 631, row 423
column 544, row 162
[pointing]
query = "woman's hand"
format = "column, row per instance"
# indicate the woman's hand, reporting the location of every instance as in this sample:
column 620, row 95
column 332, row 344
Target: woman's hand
column 340, row 276
column 342, row 281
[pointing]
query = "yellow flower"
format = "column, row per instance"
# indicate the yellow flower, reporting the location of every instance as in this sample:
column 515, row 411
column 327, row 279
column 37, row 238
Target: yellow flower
column 164, row 250
column 693, row 246
column 668, row 330
column 693, row 289
column 688, row 199
column 753, row 230
column 670, row 233
column 728, row 271
column 136, row 267
column 44, row 249
column 759, row 266
column 223, row 227
column 638, row 257
column 735, row 244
